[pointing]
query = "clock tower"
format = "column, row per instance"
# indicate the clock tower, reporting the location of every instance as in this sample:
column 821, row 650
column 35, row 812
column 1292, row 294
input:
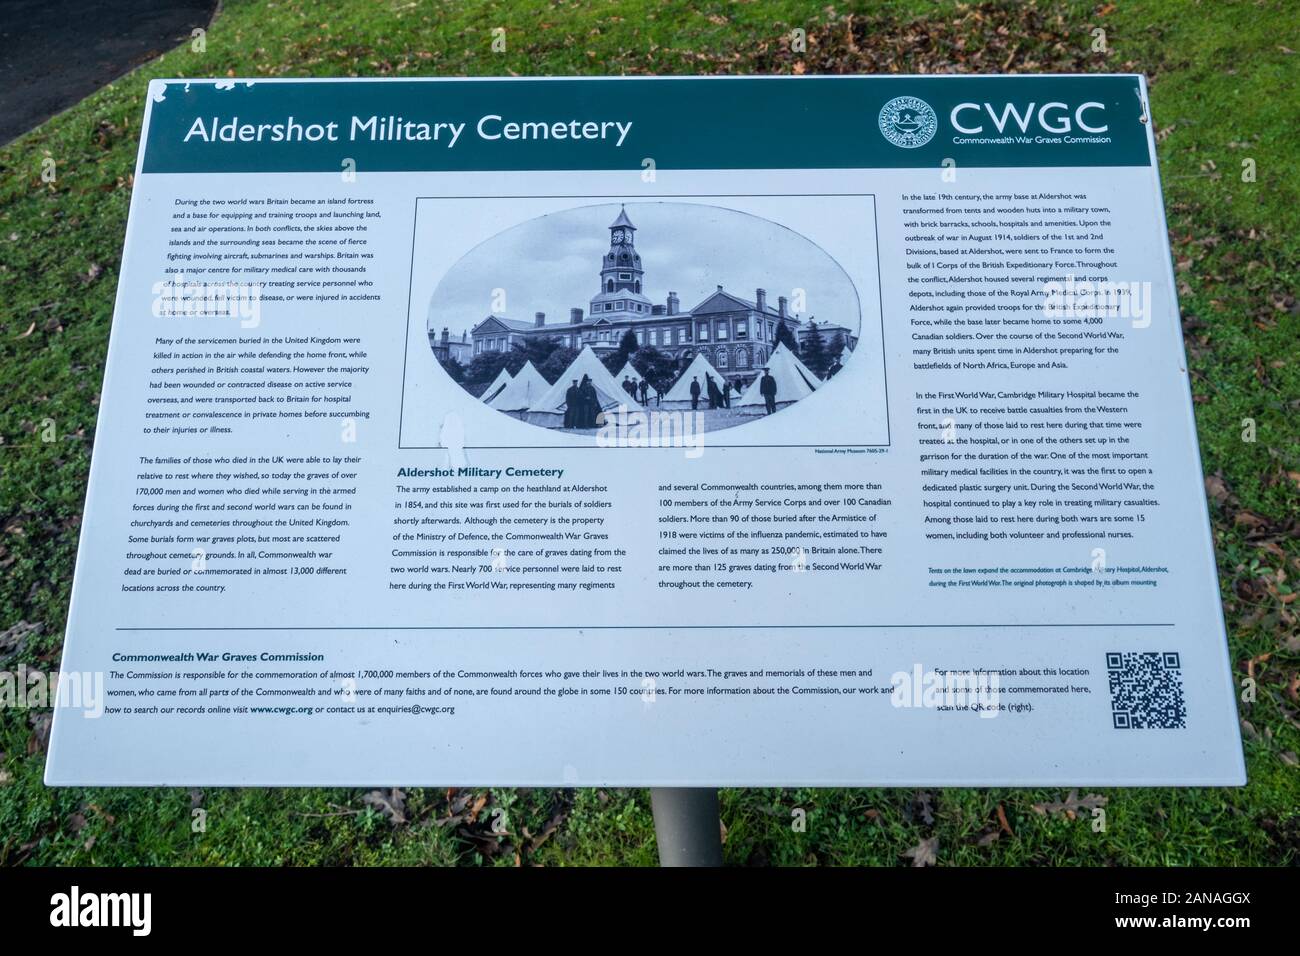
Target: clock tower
column 619, row 304
column 620, row 270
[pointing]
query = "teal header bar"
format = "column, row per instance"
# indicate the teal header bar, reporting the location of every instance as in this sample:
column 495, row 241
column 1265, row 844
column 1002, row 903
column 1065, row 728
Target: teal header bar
column 818, row 122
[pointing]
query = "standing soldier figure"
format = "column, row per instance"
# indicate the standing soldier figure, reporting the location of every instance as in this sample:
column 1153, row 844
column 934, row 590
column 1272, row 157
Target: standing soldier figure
column 589, row 403
column 767, row 388
column 572, row 397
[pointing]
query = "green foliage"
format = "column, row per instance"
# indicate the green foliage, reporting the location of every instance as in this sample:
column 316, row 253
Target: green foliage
column 486, row 366
column 557, row 363
column 453, row 368
column 658, row 367
column 837, row 346
column 627, row 345
column 536, row 349
column 785, row 337
column 814, row 353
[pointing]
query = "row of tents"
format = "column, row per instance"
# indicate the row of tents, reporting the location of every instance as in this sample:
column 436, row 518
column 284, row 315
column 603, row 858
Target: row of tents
column 528, row 396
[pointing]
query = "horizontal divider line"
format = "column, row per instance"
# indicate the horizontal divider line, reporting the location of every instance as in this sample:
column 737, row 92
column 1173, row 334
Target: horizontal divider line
column 620, row 627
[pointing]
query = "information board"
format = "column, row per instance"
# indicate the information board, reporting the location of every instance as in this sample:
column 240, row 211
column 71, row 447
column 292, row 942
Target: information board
column 681, row 431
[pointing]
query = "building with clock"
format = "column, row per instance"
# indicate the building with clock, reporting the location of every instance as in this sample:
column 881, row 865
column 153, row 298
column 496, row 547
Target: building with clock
column 734, row 333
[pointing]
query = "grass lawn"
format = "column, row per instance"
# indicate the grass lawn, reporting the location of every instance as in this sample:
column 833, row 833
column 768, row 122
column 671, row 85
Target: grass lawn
column 1224, row 92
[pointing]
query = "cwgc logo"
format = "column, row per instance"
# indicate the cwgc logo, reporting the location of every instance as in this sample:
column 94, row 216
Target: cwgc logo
column 908, row 122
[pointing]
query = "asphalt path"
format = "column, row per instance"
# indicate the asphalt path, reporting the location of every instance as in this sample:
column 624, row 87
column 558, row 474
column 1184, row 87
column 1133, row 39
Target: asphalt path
column 54, row 53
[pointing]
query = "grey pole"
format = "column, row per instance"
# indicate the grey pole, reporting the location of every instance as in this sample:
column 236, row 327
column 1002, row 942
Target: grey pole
column 687, row 826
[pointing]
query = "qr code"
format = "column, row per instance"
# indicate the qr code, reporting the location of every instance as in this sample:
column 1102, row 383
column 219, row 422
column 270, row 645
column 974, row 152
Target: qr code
column 1146, row 690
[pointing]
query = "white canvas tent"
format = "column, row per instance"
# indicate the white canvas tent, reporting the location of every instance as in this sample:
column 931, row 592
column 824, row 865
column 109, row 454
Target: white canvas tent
column 630, row 372
column 498, row 383
column 524, row 389
column 804, row 370
column 549, row 409
column 842, row 360
column 680, row 394
column 793, row 380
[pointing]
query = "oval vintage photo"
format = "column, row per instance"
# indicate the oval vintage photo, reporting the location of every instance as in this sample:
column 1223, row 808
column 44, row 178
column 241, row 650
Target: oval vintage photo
column 582, row 318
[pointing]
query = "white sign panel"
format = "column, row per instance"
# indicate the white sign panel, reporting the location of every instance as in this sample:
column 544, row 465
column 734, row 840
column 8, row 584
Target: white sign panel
column 798, row 431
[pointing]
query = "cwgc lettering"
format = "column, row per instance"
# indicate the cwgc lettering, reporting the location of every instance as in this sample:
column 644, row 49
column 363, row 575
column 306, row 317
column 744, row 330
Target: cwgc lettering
column 798, row 431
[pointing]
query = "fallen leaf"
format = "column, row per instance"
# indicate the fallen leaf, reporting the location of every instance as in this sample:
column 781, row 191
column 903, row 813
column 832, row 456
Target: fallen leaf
column 40, row 738
column 1071, row 805
column 478, row 805
column 925, row 853
column 1216, row 489
column 1248, row 519
column 924, row 802
column 13, row 639
column 552, row 825
column 391, row 803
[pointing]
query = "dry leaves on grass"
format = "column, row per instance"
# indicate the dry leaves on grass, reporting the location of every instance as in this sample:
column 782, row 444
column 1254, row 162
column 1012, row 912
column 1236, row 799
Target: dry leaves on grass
column 987, row 37
column 1072, row 805
column 925, row 853
column 494, row 835
column 923, row 806
column 1216, row 489
column 992, row 833
column 1263, row 590
column 14, row 639
column 553, row 824
column 39, row 741
column 390, row 802
column 463, row 808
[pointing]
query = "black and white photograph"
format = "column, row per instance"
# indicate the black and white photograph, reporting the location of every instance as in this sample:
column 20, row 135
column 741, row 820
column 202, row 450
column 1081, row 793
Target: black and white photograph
column 572, row 320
